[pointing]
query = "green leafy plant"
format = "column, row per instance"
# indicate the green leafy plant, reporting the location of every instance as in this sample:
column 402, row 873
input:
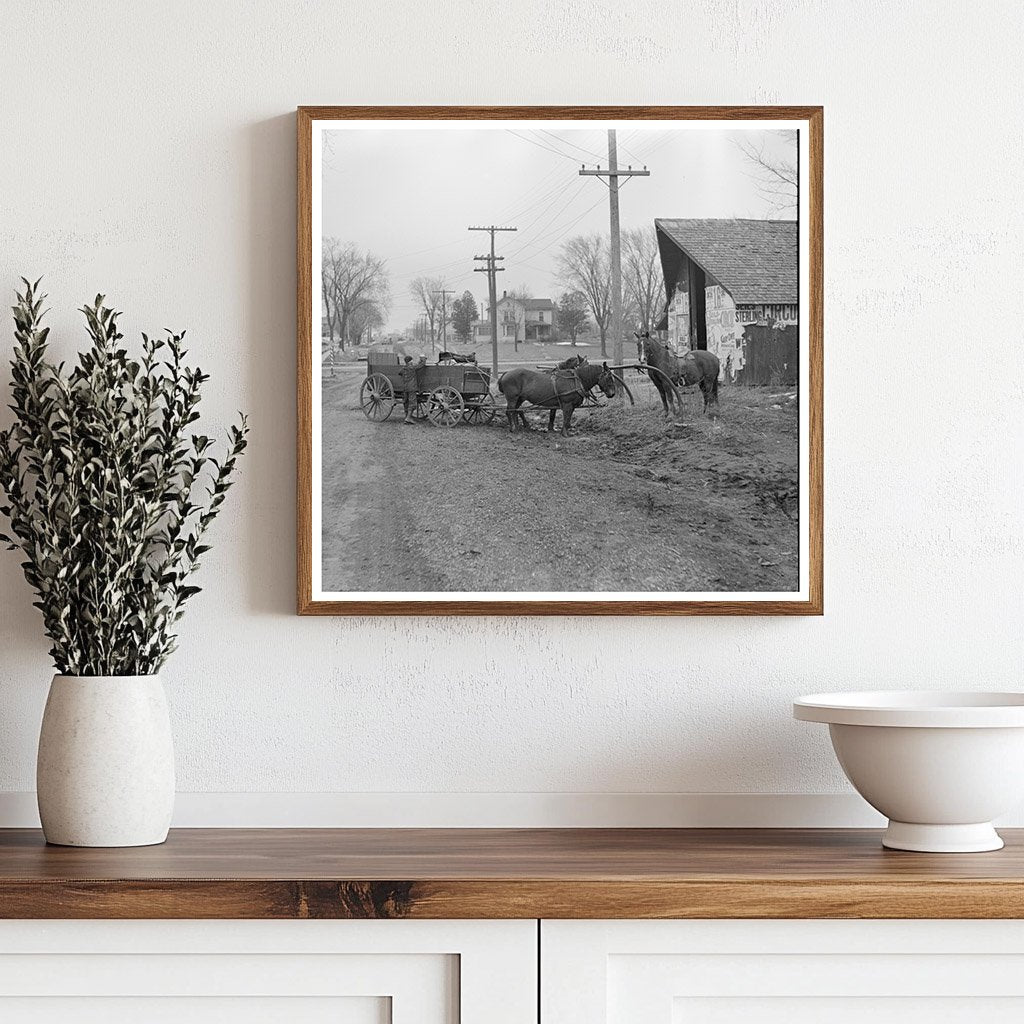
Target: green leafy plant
column 109, row 495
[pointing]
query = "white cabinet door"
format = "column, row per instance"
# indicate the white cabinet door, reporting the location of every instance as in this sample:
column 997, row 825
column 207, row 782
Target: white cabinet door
column 782, row 972
column 258, row 972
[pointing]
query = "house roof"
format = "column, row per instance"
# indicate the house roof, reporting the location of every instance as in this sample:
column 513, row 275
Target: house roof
column 754, row 260
column 530, row 305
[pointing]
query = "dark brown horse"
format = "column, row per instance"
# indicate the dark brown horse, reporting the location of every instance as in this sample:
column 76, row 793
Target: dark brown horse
column 698, row 366
column 561, row 389
column 569, row 364
column 694, row 367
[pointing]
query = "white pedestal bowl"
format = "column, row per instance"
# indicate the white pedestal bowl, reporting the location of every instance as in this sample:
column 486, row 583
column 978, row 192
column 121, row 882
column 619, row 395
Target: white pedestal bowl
column 940, row 766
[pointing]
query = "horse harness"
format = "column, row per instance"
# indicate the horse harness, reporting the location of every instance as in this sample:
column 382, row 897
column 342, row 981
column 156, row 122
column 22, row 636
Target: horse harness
column 576, row 385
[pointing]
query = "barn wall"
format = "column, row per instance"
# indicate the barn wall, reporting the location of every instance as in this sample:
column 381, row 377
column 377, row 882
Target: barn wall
column 771, row 355
column 724, row 333
column 149, row 153
column 679, row 309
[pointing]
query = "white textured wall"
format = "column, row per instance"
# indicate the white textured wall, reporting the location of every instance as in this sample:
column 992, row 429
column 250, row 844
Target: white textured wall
column 147, row 150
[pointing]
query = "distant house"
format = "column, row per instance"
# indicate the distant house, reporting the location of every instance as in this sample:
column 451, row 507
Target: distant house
column 732, row 288
column 518, row 320
column 481, row 331
column 540, row 319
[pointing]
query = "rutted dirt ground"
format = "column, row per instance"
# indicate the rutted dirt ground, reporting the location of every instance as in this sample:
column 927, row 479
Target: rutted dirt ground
column 628, row 503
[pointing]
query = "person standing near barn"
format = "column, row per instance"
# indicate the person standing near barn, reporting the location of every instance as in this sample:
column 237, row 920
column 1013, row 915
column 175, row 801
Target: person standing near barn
column 407, row 374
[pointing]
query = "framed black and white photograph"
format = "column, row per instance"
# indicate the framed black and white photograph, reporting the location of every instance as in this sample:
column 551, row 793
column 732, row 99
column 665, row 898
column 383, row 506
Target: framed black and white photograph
column 559, row 360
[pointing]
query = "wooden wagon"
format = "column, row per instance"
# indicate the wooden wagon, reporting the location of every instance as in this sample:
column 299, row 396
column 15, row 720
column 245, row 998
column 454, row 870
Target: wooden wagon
column 445, row 395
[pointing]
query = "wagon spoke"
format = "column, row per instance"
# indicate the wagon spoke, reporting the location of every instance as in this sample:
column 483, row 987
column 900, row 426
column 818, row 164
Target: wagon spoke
column 377, row 397
column 445, row 406
column 482, row 411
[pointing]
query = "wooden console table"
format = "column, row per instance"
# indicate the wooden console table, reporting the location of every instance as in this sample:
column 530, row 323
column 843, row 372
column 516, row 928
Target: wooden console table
column 507, row 874
column 494, row 926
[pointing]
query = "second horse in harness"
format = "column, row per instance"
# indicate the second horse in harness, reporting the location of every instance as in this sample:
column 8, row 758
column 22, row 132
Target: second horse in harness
column 563, row 389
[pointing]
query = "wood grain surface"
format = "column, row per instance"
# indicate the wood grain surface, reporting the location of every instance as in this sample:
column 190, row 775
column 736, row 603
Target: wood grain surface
column 812, row 310
column 508, row 873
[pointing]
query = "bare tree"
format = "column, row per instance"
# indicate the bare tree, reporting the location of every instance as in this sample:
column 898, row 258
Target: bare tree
column 353, row 281
column 328, row 271
column 364, row 320
column 776, row 178
column 584, row 266
column 427, row 292
column 368, row 313
column 641, row 273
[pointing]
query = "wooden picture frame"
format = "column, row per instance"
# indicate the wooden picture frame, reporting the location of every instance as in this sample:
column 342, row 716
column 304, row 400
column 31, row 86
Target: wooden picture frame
column 806, row 600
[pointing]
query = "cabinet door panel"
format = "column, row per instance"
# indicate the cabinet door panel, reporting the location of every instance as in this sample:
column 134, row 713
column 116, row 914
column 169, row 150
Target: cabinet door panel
column 301, row 972
column 799, row 972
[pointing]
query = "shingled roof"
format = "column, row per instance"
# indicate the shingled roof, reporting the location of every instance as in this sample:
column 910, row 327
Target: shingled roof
column 539, row 304
column 754, row 260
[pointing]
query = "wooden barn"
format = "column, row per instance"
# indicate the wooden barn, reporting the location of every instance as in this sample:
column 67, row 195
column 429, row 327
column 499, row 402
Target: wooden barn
column 731, row 287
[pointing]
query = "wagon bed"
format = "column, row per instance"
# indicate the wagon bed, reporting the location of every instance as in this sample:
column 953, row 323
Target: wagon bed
column 446, row 395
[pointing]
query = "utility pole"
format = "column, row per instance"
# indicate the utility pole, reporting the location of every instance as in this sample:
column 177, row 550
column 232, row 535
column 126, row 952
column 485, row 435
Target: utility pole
column 613, row 174
column 491, row 269
column 444, row 293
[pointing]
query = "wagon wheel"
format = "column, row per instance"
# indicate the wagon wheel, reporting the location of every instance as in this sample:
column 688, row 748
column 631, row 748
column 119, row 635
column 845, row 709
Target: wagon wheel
column 483, row 411
column 377, row 397
column 419, row 409
column 445, row 406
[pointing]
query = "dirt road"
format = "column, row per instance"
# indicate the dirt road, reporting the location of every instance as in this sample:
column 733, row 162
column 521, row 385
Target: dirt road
column 626, row 504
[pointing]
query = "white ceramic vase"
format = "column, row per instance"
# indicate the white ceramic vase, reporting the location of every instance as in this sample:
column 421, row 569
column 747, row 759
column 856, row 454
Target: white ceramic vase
column 105, row 771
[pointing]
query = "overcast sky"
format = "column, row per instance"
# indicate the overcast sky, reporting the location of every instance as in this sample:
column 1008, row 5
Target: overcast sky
column 409, row 195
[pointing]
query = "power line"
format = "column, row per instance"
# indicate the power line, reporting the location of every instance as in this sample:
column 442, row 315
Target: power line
column 541, row 189
column 629, row 151
column 566, row 142
column 565, row 188
column 547, row 198
column 668, row 136
column 419, row 252
column 554, row 229
column 559, row 187
column 541, row 145
column 529, row 196
column 533, row 266
column 561, row 231
column 550, row 197
column 435, row 268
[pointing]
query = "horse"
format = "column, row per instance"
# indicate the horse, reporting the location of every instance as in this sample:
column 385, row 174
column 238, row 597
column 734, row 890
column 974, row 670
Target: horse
column 561, row 389
column 568, row 364
column 701, row 367
column 663, row 359
column 456, row 357
column 697, row 366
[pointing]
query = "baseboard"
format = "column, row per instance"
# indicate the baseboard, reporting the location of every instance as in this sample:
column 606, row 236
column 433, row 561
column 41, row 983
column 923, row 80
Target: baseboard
column 494, row 810
column 503, row 810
